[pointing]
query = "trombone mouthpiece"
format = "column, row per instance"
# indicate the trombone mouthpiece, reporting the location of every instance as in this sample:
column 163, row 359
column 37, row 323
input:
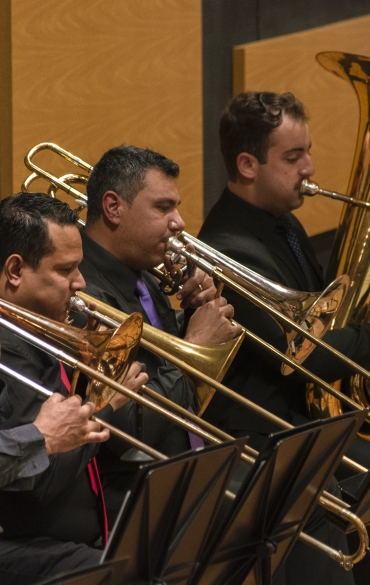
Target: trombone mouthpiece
column 175, row 249
column 76, row 304
column 309, row 187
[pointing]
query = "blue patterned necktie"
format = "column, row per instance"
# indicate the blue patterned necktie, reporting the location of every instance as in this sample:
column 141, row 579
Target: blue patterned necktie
column 148, row 305
column 284, row 225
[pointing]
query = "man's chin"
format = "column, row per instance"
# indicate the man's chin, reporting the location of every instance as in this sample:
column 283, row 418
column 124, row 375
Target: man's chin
column 299, row 201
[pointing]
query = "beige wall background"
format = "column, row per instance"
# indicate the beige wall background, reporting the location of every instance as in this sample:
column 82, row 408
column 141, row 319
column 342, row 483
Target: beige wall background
column 288, row 64
column 91, row 74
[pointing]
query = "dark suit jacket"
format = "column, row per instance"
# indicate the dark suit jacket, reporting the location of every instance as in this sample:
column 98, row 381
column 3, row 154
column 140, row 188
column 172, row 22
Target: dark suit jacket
column 249, row 236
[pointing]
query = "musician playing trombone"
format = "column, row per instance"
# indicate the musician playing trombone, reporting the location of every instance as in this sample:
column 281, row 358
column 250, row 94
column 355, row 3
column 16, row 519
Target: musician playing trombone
column 55, row 524
column 265, row 142
column 133, row 210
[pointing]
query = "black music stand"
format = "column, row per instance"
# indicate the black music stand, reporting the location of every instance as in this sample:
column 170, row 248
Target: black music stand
column 165, row 521
column 108, row 574
column 274, row 503
column 174, row 525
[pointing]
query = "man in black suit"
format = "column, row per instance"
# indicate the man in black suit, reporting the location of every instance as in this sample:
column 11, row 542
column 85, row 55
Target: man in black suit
column 265, row 142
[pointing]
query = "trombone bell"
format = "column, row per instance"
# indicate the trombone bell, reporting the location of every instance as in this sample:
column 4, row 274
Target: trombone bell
column 307, row 311
column 116, row 359
column 213, row 361
column 109, row 352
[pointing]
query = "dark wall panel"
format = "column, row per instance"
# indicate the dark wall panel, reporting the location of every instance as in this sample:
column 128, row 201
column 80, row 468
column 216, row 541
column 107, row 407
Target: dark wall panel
column 231, row 22
column 225, row 24
column 288, row 16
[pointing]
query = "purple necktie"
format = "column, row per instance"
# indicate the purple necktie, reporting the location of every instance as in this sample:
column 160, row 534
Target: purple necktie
column 148, row 305
column 146, row 302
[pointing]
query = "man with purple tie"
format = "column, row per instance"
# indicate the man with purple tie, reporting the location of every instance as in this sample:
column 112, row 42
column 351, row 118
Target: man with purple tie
column 132, row 212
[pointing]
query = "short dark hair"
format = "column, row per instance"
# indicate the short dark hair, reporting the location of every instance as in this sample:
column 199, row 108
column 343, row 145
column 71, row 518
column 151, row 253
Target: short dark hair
column 123, row 169
column 24, row 229
column 248, row 121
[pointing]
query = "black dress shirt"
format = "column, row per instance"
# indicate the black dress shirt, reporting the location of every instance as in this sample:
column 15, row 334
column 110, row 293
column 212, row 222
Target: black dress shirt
column 111, row 281
column 249, row 235
column 22, row 456
column 61, row 503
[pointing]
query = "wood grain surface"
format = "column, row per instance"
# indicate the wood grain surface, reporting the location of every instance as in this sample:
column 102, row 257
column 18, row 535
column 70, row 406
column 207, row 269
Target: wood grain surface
column 6, row 129
column 92, row 74
column 288, row 63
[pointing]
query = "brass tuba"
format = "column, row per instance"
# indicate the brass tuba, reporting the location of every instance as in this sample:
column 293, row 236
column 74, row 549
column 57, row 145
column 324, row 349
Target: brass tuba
column 351, row 250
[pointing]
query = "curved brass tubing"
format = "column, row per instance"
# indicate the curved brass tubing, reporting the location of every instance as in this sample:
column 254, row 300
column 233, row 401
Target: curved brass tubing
column 346, row 561
column 351, row 247
column 301, row 312
column 152, row 340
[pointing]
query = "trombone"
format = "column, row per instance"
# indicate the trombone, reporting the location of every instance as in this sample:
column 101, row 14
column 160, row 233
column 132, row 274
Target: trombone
column 303, row 311
column 240, row 279
column 154, row 339
column 39, row 331
column 328, row 501
column 105, row 363
column 299, row 312
column 115, row 431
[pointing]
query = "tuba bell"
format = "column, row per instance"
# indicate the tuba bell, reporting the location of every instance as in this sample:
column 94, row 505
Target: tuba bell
column 351, row 250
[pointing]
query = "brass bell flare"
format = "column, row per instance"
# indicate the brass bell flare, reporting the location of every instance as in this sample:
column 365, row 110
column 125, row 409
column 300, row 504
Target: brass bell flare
column 211, row 360
column 109, row 352
column 311, row 311
column 115, row 361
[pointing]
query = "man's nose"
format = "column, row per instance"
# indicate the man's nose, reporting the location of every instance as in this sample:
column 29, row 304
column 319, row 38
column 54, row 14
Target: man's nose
column 78, row 283
column 176, row 222
column 307, row 169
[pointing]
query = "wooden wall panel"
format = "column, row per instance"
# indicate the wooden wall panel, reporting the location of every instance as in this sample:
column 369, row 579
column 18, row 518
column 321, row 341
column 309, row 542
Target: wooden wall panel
column 288, row 63
column 6, row 131
column 92, row 74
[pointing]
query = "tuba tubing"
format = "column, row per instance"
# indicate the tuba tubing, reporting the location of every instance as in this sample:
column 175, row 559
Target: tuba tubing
column 351, row 250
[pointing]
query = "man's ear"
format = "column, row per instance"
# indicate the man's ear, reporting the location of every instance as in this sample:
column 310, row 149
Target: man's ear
column 247, row 165
column 12, row 271
column 112, row 206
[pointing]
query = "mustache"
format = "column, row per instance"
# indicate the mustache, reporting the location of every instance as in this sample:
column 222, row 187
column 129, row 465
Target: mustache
column 297, row 186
